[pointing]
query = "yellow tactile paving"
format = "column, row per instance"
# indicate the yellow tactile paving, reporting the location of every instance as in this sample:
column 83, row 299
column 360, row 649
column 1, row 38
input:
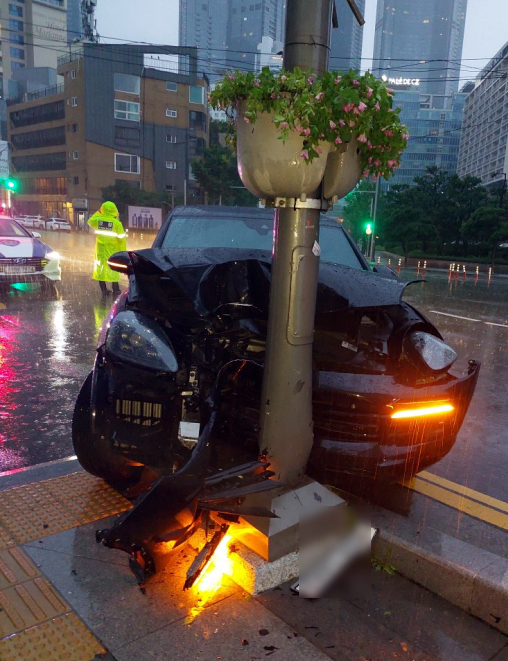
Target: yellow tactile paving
column 15, row 567
column 64, row 638
column 37, row 510
column 5, row 538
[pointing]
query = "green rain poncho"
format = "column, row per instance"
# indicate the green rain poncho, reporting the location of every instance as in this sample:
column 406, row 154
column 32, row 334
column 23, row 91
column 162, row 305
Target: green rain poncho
column 109, row 238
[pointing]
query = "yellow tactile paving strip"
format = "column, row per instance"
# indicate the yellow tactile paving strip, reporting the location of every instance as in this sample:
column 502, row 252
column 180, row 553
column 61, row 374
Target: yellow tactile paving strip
column 35, row 621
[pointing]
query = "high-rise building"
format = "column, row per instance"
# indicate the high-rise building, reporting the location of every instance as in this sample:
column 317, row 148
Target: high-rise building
column 420, row 41
column 34, row 34
column 248, row 23
column 434, row 128
column 203, row 23
column 484, row 141
column 74, row 21
column 347, row 39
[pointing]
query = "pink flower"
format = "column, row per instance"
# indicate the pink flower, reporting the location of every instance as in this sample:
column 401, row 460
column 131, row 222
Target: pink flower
column 365, row 173
column 362, row 106
column 348, row 107
column 333, row 125
column 377, row 106
column 337, row 80
column 310, row 80
column 305, row 154
column 389, row 134
column 404, row 136
column 369, row 92
column 231, row 77
column 342, row 122
column 306, row 132
column 246, row 120
column 298, row 128
column 319, row 96
column 256, row 83
column 362, row 138
column 283, row 78
column 319, row 150
column 390, row 109
column 273, row 95
column 390, row 91
column 356, row 111
column 355, row 82
column 338, row 141
column 284, row 125
column 369, row 144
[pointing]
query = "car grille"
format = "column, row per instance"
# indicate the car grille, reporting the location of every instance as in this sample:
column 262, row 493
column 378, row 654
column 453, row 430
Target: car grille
column 147, row 414
column 36, row 262
column 346, row 423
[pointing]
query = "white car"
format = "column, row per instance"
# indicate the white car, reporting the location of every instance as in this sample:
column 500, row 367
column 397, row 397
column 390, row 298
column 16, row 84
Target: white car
column 31, row 221
column 24, row 257
column 58, row 224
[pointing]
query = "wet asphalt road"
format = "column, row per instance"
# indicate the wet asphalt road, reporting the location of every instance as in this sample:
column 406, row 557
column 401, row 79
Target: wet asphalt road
column 47, row 349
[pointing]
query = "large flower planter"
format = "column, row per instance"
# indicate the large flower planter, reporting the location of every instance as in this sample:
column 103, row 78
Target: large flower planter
column 270, row 168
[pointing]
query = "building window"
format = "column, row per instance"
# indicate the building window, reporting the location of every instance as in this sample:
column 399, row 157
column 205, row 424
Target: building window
column 171, row 113
column 169, row 188
column 197, row 120
column 73, row 74
column 74, row 128
column 126, row 163
column 124, row 82
column 18, row 53
column 74, row 101
column 171, row 138
column 16, row 25
column 76, row 181
column 127, row 137
column 171, row 87
column 127, row 110
column 17, row 65
column 75, row 155
column 14, row 10
column 170, row 165
column 196, row 94
column 17, row 39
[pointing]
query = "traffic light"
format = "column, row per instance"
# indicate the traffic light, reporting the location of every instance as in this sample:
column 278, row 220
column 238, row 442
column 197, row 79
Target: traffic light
column 11, row 184
column 368, row 229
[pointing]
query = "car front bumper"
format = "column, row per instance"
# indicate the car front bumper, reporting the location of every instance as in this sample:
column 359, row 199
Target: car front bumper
column 355, row 434
column 47, row 270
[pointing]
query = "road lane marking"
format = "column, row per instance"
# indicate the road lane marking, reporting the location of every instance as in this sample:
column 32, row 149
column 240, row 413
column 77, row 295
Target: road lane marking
column 491, row 323
column 464, row 491
column 458, row 502
column 455, row 316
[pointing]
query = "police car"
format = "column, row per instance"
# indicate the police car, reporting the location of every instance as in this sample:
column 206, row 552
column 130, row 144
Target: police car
column 24, row 257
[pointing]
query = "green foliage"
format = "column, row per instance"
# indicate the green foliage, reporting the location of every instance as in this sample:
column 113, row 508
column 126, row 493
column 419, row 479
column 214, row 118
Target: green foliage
column 123, row 195
column 330, row 108
column 216, row 129
column 357, row 212
column 381, row 565
column 217, row 174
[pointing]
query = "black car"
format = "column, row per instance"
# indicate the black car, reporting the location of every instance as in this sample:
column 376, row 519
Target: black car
column 180, row 359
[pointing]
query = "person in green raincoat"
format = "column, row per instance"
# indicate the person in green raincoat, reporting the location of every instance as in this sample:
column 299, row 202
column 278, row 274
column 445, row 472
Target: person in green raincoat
column 110, row 237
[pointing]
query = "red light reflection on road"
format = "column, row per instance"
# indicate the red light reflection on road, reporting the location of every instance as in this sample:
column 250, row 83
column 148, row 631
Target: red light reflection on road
column 8, row 332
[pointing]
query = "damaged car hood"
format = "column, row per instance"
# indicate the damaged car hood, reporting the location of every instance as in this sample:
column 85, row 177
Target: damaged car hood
column 214, row 277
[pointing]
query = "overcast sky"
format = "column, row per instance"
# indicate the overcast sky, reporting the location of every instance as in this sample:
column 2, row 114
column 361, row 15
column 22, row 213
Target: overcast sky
column 156, row 21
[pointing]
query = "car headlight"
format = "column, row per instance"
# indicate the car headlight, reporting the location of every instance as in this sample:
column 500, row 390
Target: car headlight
column 426, row 348
column 52, row 255
column 138, row 339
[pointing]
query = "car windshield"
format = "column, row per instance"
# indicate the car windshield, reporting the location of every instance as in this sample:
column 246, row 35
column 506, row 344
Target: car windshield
column 250, row 233
column 9, row 227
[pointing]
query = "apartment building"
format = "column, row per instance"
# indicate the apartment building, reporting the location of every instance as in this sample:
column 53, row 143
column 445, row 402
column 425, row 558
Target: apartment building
column 125, row 113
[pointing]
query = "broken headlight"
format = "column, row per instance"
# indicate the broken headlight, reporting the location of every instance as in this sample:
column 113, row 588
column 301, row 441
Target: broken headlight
column 428, row 351
column 138, row 339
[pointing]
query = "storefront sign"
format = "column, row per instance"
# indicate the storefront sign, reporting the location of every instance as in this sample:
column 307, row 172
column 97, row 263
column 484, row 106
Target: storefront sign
column 400, row 81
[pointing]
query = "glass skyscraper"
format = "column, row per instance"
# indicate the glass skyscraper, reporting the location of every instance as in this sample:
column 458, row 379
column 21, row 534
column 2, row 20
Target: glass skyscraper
column 347, row 39
column 420, row 39
column 204, row 23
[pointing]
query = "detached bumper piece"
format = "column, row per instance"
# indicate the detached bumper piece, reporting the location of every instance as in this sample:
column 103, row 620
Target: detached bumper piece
column 173, row 510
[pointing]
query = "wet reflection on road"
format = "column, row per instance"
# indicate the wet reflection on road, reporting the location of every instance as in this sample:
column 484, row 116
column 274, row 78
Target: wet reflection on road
column 47, row 344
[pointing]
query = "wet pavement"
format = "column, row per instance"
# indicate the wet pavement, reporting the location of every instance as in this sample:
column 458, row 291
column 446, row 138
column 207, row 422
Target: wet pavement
column 47, row 345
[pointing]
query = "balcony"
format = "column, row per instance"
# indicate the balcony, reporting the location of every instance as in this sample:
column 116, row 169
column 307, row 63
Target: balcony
column 40, row 94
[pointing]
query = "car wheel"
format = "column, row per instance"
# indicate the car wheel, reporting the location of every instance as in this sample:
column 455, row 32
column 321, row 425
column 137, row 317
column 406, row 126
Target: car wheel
column 93, row 452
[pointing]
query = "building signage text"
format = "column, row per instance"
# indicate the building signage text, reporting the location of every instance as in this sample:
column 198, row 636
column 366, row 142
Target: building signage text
column 400, row 81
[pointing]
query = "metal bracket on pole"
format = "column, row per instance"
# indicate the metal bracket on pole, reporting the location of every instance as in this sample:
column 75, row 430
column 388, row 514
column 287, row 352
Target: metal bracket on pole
column 298, row 203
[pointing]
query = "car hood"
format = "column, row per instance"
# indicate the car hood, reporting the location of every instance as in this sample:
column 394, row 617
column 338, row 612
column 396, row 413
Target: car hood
column 21, row 246
column 211, row 278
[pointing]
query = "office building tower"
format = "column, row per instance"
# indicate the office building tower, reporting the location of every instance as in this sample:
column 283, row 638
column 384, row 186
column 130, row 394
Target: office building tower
column 203, row 23
column 34, row 34
column 484, row 140
column 347, row 39
column 74, row 21
column 420, row 41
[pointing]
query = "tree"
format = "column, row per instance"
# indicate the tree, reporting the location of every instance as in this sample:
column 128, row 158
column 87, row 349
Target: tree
column 357, row 211
column 217, row 174
column 123, row 195
column 487, row 225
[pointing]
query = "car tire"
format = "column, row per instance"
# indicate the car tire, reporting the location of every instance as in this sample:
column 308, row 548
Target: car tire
column 93, row 452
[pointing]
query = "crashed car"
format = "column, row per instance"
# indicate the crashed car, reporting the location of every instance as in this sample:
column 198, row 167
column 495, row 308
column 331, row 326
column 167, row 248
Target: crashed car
column 179, row 361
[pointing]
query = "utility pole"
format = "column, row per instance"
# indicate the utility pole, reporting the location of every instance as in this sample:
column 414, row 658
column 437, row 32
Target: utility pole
column 286, row 434
column 374, row 223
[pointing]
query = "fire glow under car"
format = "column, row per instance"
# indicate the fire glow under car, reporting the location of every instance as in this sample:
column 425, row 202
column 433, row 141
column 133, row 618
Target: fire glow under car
column 176, row 386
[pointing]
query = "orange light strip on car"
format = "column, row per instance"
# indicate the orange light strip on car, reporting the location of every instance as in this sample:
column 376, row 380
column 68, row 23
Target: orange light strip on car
column 426, row 410
column 120, row 266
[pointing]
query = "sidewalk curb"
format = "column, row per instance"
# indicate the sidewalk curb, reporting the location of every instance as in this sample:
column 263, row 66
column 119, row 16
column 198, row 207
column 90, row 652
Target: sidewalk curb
column 471, row 578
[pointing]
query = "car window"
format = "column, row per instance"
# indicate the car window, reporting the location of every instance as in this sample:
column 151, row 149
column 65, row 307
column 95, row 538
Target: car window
column 10, row 228
column 206, row 232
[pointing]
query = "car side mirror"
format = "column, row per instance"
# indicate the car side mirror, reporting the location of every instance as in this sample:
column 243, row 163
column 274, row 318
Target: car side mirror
column 121, row 262
column 36, row 235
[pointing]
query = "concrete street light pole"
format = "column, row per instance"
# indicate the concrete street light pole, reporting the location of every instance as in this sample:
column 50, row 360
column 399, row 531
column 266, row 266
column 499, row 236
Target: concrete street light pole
column 286, row 407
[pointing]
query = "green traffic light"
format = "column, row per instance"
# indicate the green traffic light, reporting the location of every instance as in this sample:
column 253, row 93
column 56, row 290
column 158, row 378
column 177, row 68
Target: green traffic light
column 11, row 184
column 368, row 228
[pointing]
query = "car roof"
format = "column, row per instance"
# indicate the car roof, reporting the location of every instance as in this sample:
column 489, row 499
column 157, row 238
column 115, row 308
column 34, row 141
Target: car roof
column 253, row 213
